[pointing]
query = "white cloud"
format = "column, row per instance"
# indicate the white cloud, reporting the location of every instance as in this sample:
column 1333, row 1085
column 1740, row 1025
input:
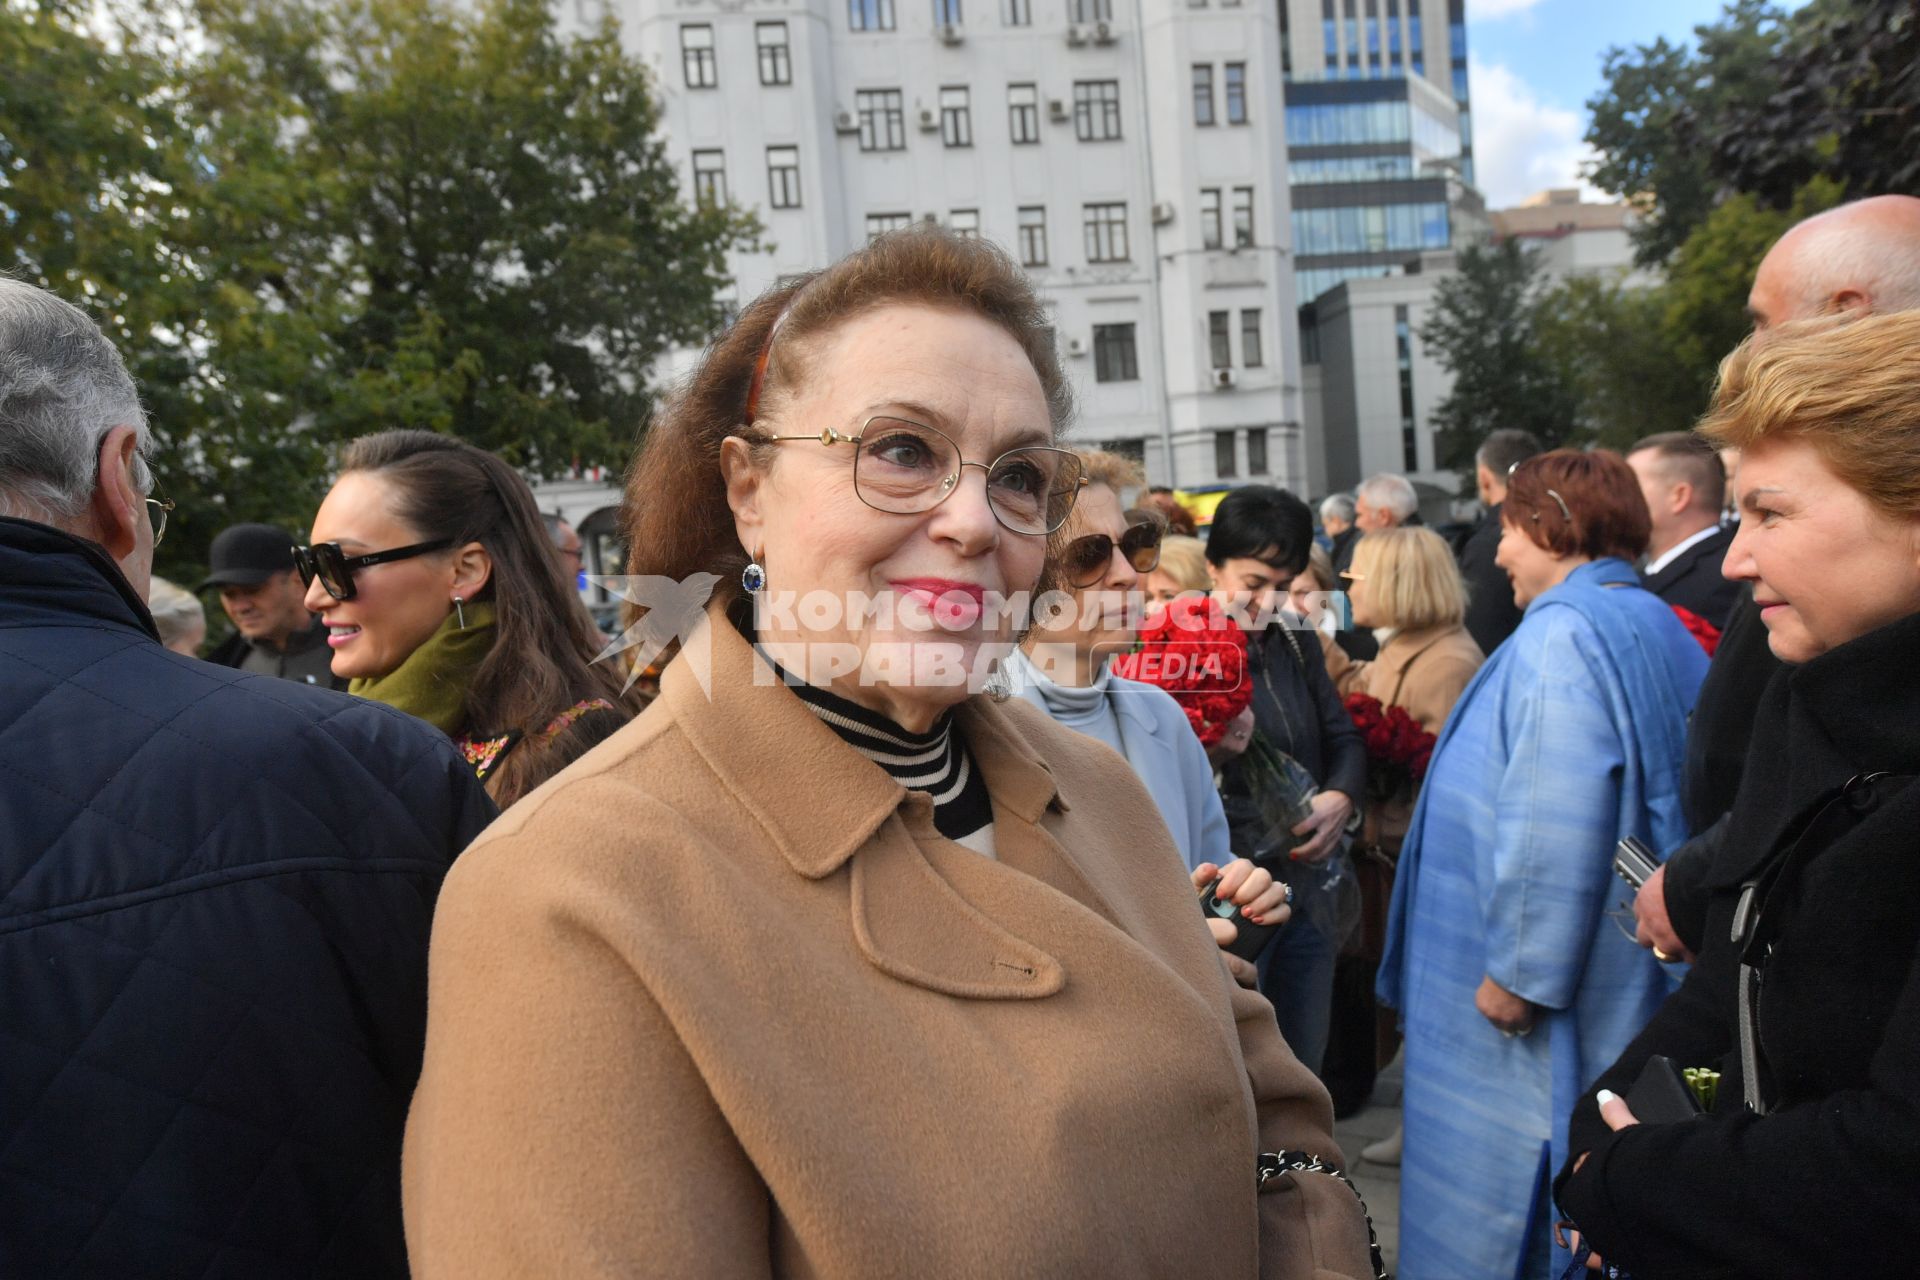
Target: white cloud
column 1520, row 144
column 1498, row 8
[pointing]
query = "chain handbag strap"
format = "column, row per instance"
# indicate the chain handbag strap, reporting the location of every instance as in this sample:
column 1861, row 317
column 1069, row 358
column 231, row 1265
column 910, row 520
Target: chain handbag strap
column 1275, row 1163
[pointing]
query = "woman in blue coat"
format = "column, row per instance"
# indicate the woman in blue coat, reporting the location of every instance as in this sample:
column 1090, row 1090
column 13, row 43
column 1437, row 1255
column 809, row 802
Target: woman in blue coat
column 1514, row 987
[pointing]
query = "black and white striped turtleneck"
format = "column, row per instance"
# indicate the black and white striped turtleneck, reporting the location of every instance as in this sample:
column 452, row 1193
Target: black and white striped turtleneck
column 936, row 762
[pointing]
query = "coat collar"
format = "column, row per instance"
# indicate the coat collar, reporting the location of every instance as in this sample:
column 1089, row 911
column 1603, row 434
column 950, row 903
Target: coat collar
column 749, row 729
column 54, row 578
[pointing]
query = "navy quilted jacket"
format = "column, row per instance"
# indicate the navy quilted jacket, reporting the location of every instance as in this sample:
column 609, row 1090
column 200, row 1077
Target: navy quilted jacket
column 215, row 892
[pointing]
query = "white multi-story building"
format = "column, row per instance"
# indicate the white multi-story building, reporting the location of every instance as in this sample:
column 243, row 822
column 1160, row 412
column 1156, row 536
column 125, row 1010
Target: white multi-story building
column 1129, row 153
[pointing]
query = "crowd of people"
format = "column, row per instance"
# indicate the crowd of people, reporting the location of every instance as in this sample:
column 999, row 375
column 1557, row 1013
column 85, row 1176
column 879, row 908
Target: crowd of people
column 904, row 927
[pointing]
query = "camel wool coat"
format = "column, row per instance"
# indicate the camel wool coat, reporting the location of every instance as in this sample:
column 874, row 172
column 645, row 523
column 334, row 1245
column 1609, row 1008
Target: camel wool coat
column 719, row 1000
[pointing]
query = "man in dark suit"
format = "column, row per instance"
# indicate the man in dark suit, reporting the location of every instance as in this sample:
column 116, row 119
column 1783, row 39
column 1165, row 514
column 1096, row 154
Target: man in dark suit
column 1682, row 480
column 1491, row 613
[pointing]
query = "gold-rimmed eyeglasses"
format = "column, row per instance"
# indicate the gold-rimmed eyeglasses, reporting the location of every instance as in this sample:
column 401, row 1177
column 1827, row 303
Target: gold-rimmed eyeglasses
column 905, row 468
column 157, row 511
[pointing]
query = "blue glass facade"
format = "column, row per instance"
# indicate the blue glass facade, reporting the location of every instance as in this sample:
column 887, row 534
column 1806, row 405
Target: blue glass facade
column 1378, row 228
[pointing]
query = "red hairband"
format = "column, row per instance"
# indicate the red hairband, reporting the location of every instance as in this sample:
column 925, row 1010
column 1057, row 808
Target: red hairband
column 760, row 367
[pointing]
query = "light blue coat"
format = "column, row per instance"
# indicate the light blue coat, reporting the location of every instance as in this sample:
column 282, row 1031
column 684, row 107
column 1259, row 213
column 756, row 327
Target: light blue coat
column 1148, row 728
column 1570, row 737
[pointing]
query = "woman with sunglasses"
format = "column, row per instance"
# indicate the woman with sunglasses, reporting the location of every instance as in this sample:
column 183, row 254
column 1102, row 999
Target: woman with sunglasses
column 832, row 964
column 1513, row 989
column 1063, row 670
column 431, row 568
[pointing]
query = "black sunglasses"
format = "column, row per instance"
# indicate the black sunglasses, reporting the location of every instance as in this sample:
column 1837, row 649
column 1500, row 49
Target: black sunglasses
column 335, row 568
column 1086, row 558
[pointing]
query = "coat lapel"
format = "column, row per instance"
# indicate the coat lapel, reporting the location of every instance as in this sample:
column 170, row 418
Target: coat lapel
column 781, row 764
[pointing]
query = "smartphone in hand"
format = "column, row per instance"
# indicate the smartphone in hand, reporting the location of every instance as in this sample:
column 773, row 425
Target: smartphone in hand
column 1249, row 939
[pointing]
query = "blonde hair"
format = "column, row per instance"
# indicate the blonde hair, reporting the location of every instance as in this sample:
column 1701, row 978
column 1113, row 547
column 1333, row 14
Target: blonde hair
column 1112, row 470
column 1411, row 579
column 1850, row 387
column 1184, row 560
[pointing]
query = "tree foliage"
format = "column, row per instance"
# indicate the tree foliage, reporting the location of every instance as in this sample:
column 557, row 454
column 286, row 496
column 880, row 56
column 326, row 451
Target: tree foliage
column 1663, row 107
column 1485, row 328
column 303, row 220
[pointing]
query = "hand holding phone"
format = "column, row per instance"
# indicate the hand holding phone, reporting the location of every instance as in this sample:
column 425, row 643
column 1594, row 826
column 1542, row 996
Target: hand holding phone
column 1634, row 862
column 1249, row 938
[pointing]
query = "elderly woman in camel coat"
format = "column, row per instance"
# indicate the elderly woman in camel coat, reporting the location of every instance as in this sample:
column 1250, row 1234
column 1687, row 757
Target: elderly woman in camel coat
column 830, row 964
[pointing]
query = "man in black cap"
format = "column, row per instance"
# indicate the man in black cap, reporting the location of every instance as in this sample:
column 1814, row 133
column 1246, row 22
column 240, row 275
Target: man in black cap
column 274, row 635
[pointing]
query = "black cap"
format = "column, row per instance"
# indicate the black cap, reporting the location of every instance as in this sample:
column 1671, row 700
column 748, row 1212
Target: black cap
column 246, row 555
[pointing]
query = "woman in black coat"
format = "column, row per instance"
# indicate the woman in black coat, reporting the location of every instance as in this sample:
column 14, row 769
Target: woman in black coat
column 1806, row 997
column 1259, row 542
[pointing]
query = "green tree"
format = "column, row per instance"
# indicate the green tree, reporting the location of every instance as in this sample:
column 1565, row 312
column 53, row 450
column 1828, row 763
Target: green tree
column 1485, row 328
column 1608, row 343
column 1654, row 123
column 305, row 221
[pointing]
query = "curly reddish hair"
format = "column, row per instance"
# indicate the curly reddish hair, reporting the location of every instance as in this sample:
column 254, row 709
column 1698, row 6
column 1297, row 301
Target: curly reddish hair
column 1604, row 514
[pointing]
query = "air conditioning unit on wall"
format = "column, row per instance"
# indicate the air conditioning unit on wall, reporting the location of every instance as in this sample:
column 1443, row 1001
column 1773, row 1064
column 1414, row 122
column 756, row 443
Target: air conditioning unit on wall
column 1057, row 110
column 1103, row 33
column 844, row 122
column 1076, row 346
column 951, row 34
column 1076, row 35
column 1162, row 213
column 1223, row 379
column 928, row 120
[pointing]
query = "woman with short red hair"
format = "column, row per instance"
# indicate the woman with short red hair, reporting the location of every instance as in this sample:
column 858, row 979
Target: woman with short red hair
column 1513, row 990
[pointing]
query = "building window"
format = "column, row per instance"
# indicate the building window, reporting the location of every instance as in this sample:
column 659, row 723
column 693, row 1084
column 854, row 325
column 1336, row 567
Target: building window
column 1236, row 77
column 1256, row 451
column 1223, row 459
column 1403, row 351
column 1033, row 235
column 1019, row 13
column 1210, row 224
column 878, row 224
column 1242, row 217
column 870, row 15
column 1220, row 338
column 1106, row 232
column 1132, row 447
column 783, row 177
column 1203, row 93
column 776, row 60
column 1090, row 10
column 696, row 56
column 956, row 118
column 964, row 223
column 1115, row 359
column 1096, row 110
column 1023, row 113
column 710, row 177
column 1252, row 350
column 883, row 121
column 946, row 13
column 1370, row 229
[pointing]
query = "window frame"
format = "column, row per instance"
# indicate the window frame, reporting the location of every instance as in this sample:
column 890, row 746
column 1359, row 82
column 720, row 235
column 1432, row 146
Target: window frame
column 1213, row 227
column 964, row 223
column 783, row 180
column 1032, row 234
column 1253, row 346
column 1104, row 228
column 699, row 63
column 1203, row 113
column 956, row 121
column 870, row 15
column 1226, row 465
column 709, row 183
column 1220, row 339
column 775, row 60
column 1258, row 463
column 1101, row 94
column 1116, row 352
column 878, row 110
column 1028, row 111
column 1243, row 228
column 891, row 222
column 1234, row 87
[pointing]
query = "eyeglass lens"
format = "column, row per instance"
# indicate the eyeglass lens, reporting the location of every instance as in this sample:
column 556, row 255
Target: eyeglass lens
column 906, row 468
column 1087, row 557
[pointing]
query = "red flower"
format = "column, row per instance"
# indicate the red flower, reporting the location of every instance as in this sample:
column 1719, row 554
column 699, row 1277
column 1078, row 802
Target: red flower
column 1197, row 653
column 1699, row 628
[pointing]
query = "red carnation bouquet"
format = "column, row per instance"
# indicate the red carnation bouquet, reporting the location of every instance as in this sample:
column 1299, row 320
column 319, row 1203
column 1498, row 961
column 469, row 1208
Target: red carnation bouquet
column 1197, row 653
column 1398, row 749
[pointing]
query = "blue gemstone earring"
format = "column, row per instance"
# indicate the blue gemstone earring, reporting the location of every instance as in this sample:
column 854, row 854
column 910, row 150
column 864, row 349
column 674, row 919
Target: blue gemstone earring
column 753, row 577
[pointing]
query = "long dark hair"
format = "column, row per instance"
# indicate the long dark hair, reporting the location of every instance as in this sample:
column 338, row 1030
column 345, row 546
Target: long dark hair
column 541, row 662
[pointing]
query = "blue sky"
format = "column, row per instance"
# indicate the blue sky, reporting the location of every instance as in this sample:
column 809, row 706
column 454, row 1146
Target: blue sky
column 1534, row 64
